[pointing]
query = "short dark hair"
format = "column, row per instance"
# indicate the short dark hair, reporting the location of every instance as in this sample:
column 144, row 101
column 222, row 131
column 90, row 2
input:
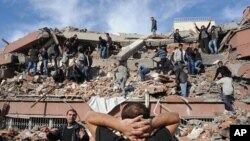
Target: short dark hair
column 132, row 110
column 107, row 34
column 71, row 110
column 180, row 45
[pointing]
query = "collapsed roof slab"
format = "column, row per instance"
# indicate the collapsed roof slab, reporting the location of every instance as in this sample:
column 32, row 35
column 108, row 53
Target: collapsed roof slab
column 22, row 43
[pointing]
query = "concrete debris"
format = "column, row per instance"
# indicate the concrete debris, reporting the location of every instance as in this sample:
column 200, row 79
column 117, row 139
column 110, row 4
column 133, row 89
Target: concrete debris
column 216, row 130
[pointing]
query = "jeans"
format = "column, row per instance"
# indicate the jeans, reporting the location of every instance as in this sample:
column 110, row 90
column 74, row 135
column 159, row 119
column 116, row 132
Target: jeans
column 103, row 52
column 228, row 102
column 213, row 43
column 45, row 66
column 183, row 89
column 191, row 66
column 143, row 73
column 197, row 65
column 32, row 65
column 204, row 45
column 87, row 73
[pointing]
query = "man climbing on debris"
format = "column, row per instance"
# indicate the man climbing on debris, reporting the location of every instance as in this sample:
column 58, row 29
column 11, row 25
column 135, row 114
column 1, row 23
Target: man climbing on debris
column 142, row 71
column 121, row 75
column 72, row 131
column 204, row 36
column 78, row 69
column 58, row 76
column 102, row 45
column 33, row 53
column 135, row 125
column 71, row 44
column 227, row 91
column 161, row 52
column 182, row 80
column 153, row 26
column 198, row 61
column 223, row 70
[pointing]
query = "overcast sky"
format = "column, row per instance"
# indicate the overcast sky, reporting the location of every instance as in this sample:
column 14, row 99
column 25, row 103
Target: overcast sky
column 19, row 17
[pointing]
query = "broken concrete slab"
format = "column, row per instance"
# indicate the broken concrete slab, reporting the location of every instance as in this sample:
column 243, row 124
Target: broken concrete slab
column 129, row 50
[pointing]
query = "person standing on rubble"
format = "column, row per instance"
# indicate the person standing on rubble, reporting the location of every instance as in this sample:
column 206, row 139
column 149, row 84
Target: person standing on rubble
column 121, row 75
column 161, row 52
column 190, row 57
column 78, row 69
column 109, row 44
column 72, row 131
column 204, row 36
column 65, row 61
column 179, row 56
column 181, row 80
column 45, row 58
column 214, row 35
column 87, row 65
column 33, row 53
column 177, row 37
column 153, row 26
column 142, row 71
column 223, row 70
column 103, row 47
column 135, row 125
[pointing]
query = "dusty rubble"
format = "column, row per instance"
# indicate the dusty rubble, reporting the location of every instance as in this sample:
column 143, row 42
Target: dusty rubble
column 218, row 129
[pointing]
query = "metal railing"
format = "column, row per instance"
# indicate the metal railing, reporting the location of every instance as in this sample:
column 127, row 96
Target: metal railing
column 29, row 123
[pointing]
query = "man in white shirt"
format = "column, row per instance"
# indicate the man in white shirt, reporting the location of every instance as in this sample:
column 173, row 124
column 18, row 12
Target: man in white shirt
column 227, row 91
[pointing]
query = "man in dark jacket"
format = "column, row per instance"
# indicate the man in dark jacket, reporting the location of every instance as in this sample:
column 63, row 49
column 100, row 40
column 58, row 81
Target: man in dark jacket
column 102, row 47
column 45, row 58
column 161, row 52
column 198, row 61
column 223, row 70
column 154, row 26
column 70, row 132
column 33, row 53
column 204, row 37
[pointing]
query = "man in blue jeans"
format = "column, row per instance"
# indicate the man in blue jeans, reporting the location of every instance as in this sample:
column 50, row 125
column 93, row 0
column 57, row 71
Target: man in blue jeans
column 33, row 53
column 103, row 47
column 142, row 71
column 213, row 42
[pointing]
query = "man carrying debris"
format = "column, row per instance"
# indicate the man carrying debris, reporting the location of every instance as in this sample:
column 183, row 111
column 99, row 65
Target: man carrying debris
column 33, row 53
column 72, row 131
column 135, row 125
column 153, row 26
column 203, row 36
column 181, row 80
column 142, row 71
column 102, row 45
column 121, row 76
column 161, row 52
column 223, row 70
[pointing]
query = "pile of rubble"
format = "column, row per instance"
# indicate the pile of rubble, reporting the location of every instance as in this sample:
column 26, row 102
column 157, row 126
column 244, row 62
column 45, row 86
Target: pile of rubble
column 218, row 129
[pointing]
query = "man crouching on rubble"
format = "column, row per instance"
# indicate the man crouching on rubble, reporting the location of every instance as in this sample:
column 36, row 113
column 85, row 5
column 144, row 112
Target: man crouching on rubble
column 135, row 125
column 72, row 131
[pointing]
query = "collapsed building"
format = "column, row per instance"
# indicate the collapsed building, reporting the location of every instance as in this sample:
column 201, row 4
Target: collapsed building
column 31, row 101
